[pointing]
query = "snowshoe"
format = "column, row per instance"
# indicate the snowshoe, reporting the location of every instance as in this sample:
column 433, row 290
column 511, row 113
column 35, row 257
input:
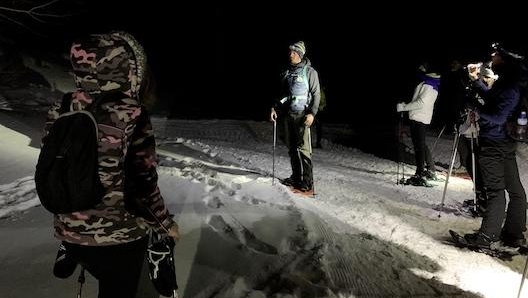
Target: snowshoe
column 161, row 264
column 300, row 188
column 304, row 188
column 306, row 193
column 478, row 244
column 417, row 180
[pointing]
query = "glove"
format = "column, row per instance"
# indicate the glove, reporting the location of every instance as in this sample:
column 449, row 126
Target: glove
column 400, row 107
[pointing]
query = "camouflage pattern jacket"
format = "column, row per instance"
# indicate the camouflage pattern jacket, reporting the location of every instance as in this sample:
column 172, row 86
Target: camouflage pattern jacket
column 108, row 70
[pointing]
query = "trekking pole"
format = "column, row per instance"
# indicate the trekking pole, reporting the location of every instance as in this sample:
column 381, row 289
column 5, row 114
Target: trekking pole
column 400, row 155
column 437, row 138
column 274, row 143
column 311, row 157
column 523, row 278
column 81, row 280
column 453, row 156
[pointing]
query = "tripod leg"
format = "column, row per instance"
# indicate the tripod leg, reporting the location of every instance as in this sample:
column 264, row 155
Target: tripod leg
column 473, row 174
column 453, row 157
column 274, row 144
column 523, row 278
column 437, row 138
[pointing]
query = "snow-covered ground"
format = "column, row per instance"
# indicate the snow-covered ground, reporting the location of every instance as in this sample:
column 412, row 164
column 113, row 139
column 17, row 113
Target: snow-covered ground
column 246, row 235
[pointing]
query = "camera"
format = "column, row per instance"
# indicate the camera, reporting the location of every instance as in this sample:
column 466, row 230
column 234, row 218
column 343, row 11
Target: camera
column 505, row 53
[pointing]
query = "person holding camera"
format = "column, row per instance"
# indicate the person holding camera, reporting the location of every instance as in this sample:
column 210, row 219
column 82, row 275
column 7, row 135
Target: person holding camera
column 496, row 158
column 296, row 112
column 420, row 114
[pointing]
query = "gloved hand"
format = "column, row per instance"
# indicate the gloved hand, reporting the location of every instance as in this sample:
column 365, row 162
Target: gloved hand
column 400, row 107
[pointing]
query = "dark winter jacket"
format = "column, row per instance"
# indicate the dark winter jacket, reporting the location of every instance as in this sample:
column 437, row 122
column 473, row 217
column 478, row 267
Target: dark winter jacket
column 499, row 103
column 108, row 70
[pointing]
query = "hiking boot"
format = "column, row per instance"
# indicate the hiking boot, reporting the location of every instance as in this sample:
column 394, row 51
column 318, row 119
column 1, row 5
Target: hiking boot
column 480, row 240
column 288, row 181
column 513, row 240
column 64, row 265
column 304, row 186
column 428, row 175
column 459, row 171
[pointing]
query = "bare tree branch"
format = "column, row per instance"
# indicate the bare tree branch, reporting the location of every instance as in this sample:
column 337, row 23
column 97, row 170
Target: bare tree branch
column 41, row 13
column 21, row 25
column 33, row 11
column 44, row 5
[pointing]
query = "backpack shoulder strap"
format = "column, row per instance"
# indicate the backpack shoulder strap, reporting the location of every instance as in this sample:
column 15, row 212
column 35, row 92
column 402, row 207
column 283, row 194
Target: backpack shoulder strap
column 305, row 75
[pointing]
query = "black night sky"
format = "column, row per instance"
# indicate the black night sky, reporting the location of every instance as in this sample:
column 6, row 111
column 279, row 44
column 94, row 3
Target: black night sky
column 224, row 62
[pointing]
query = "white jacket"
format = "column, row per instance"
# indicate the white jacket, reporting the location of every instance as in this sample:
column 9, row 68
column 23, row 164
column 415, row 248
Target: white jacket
column 422, row 104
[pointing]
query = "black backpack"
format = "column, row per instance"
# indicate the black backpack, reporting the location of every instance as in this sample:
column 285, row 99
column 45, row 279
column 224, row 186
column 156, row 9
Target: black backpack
column 66, row 176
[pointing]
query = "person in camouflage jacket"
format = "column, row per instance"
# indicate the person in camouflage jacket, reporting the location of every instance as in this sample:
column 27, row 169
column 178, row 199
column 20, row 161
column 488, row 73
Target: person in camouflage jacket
column 110, row 240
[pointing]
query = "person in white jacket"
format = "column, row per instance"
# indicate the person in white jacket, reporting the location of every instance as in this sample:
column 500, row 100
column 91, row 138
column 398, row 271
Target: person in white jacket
column 420, row 114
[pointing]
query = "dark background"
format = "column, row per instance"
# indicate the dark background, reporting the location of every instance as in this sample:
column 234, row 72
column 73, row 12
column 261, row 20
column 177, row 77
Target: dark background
column 218, row 61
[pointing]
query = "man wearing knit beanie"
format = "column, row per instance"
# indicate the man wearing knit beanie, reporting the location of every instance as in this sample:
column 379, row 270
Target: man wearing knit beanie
column 295, row 109
column 299, row 47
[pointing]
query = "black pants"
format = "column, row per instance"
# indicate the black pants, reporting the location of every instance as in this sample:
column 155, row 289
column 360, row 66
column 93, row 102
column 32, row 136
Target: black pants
column 298, row 140
column 116, row 267
column 422, row 154
column 500, row 173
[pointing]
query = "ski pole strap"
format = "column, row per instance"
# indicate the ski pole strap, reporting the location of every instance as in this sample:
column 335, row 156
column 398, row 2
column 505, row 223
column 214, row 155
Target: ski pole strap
column 158, row 221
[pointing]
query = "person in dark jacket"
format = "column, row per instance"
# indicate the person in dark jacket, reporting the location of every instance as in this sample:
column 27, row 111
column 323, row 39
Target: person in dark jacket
column 468, row 142
column 497, row 159
column 110, row 239
column 295, row 111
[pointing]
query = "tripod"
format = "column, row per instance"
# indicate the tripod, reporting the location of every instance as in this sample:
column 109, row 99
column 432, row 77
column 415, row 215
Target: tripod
column 437, row 138
column 473, row 131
